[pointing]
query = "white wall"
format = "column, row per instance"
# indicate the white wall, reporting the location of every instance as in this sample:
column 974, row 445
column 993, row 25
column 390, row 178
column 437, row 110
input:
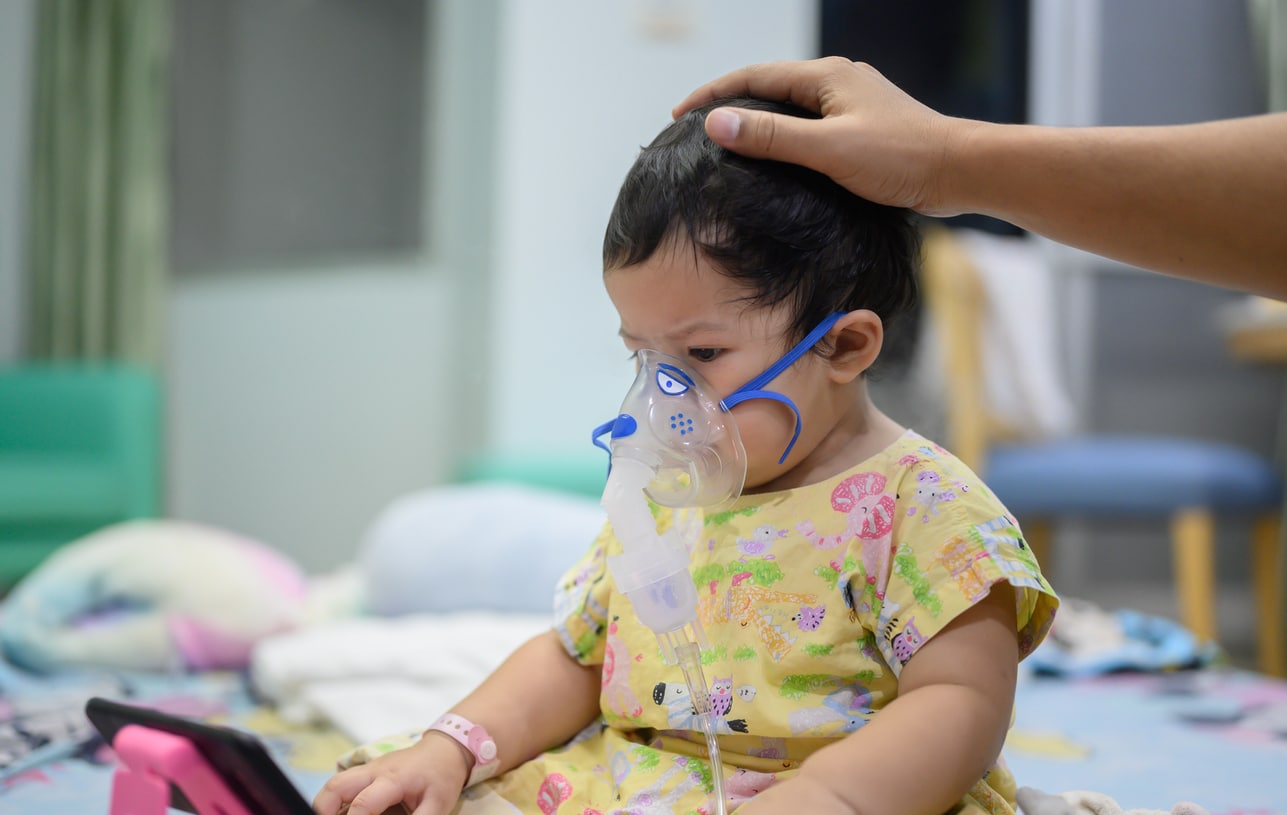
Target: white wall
column 17, row 19
column 583, row 84
column 303, row 402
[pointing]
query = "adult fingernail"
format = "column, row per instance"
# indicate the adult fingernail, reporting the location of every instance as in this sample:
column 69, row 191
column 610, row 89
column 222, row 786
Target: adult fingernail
column 722, row 125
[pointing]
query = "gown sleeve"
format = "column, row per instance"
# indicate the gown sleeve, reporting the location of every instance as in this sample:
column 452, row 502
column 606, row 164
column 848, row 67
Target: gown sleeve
column 950, row 541
column 581, row 603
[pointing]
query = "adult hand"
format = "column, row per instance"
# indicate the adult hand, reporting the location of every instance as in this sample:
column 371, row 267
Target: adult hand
column 873, row 139
column 424, row 779
column 1202, row 201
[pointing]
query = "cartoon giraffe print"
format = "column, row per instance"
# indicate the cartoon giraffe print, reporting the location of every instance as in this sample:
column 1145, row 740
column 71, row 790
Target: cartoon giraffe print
column 743, row 604
column 746, row 603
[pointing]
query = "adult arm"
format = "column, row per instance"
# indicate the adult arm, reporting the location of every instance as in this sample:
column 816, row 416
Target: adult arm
column 1203, row 201
column 929, row 746
column 538, row 698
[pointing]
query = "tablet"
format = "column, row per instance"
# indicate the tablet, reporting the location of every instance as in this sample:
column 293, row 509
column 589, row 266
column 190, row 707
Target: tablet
column 240, row 759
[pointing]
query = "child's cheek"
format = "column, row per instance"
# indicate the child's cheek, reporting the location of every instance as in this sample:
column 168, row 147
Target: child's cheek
column 765, row 428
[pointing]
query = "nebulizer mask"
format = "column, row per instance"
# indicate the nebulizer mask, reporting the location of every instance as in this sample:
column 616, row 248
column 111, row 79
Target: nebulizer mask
column 675, row 442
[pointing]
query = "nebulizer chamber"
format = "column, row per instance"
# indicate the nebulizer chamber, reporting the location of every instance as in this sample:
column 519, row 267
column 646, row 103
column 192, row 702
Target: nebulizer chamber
column 675, row 444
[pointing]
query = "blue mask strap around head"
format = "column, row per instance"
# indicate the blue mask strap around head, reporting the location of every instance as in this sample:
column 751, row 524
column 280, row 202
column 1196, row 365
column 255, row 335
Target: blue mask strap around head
column 754, row 389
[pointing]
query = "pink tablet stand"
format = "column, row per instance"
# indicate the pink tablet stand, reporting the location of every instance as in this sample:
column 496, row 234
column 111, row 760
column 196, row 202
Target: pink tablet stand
column 150, row 760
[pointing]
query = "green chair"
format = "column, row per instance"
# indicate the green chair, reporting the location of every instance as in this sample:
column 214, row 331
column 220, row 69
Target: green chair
column 79, row 449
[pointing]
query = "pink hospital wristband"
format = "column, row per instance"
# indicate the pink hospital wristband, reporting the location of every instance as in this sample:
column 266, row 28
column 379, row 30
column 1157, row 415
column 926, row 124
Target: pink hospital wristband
column 476, row 740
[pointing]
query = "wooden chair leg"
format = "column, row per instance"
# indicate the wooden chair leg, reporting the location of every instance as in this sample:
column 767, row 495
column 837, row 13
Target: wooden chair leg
column 1038, row 533
column 1266, row 560
column 1193, row 553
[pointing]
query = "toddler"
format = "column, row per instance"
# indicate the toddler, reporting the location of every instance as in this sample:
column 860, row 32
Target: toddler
column 867, row 599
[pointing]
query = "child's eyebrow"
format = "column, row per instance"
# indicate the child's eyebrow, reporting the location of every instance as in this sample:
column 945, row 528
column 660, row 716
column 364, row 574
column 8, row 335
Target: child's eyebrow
column 683, row 331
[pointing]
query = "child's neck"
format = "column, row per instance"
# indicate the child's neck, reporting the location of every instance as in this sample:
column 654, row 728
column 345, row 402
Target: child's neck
column 861, row 432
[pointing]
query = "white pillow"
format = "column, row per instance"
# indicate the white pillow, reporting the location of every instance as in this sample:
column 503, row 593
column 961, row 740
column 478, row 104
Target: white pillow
column 483, row 546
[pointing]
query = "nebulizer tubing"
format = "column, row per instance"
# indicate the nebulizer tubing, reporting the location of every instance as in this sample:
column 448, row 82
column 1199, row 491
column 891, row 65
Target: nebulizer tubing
column 652, row 571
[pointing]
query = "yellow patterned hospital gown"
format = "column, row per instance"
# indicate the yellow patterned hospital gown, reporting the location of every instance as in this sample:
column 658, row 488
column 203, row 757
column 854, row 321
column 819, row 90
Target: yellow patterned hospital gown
column 813, row 599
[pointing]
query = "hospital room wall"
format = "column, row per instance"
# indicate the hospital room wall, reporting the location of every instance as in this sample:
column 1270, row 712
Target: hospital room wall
column 347, row 388
column 305, row 396
column 303, row 400
column 539, row 109
column 301, row 404
column 582, row 86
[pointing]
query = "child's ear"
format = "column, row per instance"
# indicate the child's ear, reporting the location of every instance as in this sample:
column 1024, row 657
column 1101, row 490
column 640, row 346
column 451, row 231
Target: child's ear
column 856, row 340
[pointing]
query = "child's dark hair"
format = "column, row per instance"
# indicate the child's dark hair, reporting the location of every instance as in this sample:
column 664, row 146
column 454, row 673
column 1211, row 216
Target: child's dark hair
column 791, row 235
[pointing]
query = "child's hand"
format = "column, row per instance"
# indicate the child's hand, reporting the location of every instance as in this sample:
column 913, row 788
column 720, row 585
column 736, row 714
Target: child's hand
column 426, row 778
column 799, row 794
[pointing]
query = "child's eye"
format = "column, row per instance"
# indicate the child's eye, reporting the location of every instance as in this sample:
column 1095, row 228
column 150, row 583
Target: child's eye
column 704, row 354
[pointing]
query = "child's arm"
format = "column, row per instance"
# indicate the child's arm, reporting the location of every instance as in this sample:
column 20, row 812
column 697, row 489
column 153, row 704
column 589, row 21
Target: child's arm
column 923, row 752
column 538, row 698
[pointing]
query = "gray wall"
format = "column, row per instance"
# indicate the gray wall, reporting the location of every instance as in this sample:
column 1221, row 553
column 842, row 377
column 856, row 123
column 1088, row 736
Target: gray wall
column 17, row 18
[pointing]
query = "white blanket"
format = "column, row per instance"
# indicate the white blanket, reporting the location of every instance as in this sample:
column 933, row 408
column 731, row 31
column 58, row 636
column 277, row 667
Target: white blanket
column 370, row 677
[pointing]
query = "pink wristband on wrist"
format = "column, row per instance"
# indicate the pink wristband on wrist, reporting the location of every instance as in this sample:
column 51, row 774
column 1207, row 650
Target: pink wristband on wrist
column 476, row 740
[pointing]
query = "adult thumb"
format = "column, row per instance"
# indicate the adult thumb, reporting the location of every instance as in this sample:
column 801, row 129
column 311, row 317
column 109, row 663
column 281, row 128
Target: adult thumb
column 760, row 134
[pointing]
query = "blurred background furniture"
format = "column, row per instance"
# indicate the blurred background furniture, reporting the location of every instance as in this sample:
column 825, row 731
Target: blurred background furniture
column 582, row 473
column 79, row 449
column 1257, row 333
column 1186, row 482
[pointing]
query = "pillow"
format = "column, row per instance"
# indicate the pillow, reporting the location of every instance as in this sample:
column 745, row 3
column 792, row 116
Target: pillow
column 151, row 595
column 484, row 546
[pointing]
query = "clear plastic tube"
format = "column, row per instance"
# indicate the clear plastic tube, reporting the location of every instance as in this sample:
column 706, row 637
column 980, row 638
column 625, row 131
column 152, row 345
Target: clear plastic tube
column 652, row 571
column 690, row 661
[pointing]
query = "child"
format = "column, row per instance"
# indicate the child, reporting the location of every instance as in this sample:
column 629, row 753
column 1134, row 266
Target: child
column 867, row 598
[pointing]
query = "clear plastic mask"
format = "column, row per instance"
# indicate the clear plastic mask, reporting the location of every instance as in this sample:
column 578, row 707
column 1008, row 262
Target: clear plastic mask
column 672, row 420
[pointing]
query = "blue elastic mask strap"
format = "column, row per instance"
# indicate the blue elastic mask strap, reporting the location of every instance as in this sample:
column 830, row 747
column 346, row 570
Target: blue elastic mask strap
column 595, row 435
column 606, row 427
column 754, row 389
column 742, row 396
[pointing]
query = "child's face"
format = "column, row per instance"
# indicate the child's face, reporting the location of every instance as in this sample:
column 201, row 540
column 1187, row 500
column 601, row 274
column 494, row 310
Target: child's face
column 677, row 303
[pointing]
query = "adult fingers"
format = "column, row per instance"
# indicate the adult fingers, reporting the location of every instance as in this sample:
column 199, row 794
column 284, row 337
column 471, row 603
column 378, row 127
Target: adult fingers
column 760, row 134
column 800, row 83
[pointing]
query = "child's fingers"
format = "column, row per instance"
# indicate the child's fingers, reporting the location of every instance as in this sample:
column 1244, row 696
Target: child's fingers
column 340, row 789
column 381, row 794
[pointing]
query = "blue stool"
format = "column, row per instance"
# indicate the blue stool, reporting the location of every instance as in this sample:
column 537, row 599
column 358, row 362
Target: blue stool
column 1189, row 482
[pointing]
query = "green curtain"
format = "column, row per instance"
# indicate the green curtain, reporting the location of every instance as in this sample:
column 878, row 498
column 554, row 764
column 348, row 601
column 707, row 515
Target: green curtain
column 1269, row 35
column 99, row 180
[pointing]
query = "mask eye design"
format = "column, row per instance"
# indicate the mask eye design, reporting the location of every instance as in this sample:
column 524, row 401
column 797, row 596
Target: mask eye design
column 672, row 381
